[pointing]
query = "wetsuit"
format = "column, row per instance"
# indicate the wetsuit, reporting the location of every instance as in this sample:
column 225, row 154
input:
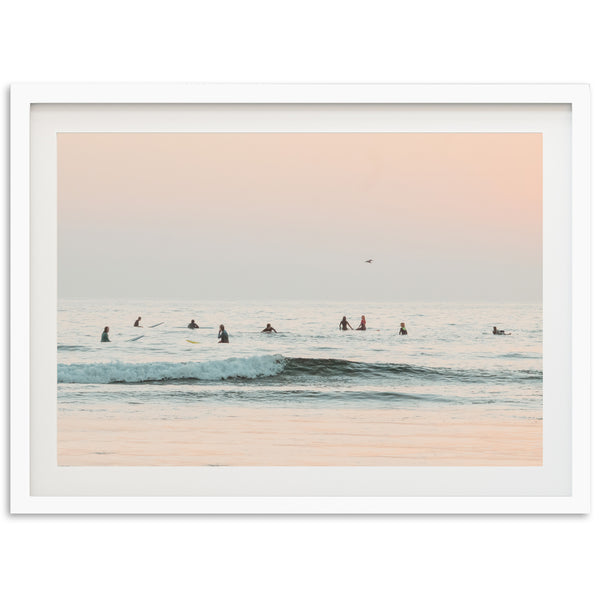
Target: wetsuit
column 104, row 337
column 403, row 331
column 223, row 337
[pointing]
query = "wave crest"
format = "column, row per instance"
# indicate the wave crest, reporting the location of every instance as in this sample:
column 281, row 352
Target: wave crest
column 120, row 372
column 274, row 365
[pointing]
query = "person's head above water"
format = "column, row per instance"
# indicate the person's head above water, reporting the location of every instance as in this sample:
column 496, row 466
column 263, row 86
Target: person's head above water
column 221, row 327
column 105, row 329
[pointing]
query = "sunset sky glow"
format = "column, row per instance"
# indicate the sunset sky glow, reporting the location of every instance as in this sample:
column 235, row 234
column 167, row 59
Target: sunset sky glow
column 446, row 217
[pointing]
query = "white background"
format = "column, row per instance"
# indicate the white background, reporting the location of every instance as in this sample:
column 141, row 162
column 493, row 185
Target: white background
column 287, row 557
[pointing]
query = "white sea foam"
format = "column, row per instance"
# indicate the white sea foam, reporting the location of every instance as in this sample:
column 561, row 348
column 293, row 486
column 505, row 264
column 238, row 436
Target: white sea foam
column 251, row 367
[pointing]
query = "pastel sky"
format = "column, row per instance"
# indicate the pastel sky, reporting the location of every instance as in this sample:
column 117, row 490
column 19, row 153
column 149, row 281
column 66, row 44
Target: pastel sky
column 446, row 217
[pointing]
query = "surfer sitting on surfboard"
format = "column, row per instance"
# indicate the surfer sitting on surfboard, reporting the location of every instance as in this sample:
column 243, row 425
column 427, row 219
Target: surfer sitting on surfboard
column 402, row 329
column 104, row 337
column 137, row 322
column 344, row 324
column 363, row 324
column 269, row 329
column 193, row 325
column 223, row 335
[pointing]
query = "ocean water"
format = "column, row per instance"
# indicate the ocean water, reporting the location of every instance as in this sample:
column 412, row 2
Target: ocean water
column 449, row 356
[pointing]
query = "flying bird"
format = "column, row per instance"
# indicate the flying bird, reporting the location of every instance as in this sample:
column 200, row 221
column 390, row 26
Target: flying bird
column 369, row 261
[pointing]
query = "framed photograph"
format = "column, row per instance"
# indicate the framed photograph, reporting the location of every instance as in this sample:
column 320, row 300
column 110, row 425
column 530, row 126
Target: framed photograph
column 300, row 298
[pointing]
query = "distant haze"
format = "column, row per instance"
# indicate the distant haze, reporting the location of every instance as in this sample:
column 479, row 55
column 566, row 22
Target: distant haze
column 445, row 217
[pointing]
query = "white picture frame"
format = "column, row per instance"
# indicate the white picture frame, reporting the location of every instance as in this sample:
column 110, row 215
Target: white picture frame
column 566, row 446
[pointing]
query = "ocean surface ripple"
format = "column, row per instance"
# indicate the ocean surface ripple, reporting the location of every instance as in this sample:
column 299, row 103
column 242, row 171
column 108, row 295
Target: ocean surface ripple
column 448, row 356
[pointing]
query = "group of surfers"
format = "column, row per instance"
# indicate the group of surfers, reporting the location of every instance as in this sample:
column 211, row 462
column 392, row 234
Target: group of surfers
column 223, row 336
column 344, row 324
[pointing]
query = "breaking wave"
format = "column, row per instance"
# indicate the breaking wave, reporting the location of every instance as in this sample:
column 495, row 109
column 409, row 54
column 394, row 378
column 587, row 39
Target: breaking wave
column 269, row 366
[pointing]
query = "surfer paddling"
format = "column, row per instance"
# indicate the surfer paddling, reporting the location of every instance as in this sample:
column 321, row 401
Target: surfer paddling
column 497, row 331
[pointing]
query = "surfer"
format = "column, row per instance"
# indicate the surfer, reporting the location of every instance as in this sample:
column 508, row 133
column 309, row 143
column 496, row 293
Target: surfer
column 496, row 331
column 269, row 329
column 193, row 325
column 104, row 337
column 402, row 329
column 344, row 324
column 223, row 335
column 363, row 324
column 137, row 322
